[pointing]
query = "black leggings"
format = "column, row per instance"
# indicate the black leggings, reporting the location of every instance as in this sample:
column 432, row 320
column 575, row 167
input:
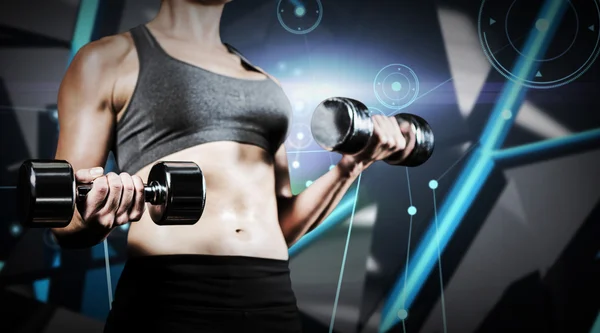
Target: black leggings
column 204, row 293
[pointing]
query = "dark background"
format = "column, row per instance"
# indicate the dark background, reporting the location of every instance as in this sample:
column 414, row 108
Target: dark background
column 525, row 257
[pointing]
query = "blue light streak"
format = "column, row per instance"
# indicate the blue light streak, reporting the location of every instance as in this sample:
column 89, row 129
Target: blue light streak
column 339, row 214
column 548, row 146
column 84, row 27
column 475, row 173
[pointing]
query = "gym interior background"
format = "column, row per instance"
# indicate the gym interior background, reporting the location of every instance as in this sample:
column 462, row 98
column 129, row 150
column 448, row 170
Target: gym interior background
column 498, row 232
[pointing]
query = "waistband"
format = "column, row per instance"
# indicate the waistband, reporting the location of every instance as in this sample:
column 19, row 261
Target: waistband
column 195, row 282
column 218, row 262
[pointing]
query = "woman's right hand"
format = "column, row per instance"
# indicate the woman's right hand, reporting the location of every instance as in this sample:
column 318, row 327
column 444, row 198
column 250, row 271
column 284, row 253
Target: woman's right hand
column 114, row 199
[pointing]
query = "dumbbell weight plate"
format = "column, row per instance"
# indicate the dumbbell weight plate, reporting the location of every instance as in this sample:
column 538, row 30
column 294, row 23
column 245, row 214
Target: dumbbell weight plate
column 184, row 191
column 424, row 144
column 342, row 124
column 45, row 194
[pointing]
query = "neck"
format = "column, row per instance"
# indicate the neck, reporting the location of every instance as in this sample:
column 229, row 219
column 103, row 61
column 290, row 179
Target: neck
column 190, row 20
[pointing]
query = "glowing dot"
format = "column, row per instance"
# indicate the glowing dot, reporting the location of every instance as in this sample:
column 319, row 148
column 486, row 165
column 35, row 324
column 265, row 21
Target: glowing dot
column 542, row 25
column 124, row 227
column 433, row 184
column 412, row 210
column 1, row 265
column 295, row 164
column 396, row 86
column 281, row 66
column 297, row 72
column 506, row 114
column 300, row 135
column 308, row 183
column 300, row 11
column 331, row 166
column 402, row 314
column 15, row 230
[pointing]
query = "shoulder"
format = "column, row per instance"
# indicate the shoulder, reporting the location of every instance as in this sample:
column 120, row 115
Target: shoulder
column 96, row 66
column 104, row 54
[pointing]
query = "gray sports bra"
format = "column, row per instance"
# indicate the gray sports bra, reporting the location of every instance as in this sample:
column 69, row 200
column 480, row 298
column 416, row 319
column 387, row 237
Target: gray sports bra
column 176, row 105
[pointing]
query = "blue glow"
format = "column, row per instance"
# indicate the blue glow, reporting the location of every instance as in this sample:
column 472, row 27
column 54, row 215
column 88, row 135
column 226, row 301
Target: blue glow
column 296, row 3
column 339, row 214
column 40, row 289
column 308, row 183
column 402, row 314
column 468, row 184
column 331, row 166
column 15, row 230
column 433, row 184
column 542, row 25
column 1, row 265
column 300, row 11
column 396, row 86
column 56, row 260
column 547, row 145
column 88, row 9
column 596, row 325
column 412, row 210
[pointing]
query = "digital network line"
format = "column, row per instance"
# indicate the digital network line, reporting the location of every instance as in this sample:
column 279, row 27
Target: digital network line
column 475, row 172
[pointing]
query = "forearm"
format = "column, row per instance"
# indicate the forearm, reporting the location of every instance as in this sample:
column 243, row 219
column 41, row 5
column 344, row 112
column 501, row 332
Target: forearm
column 78, row 235
column 303, row 212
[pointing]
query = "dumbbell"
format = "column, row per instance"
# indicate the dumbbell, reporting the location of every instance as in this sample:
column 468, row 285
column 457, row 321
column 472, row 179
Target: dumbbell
column 344, row 125
column 47, row 193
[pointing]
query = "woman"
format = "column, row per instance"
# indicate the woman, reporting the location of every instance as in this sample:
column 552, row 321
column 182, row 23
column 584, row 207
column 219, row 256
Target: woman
column 171, row 90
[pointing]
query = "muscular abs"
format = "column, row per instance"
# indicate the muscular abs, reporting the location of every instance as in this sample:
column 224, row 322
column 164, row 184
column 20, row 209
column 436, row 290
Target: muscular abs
column 240, row 217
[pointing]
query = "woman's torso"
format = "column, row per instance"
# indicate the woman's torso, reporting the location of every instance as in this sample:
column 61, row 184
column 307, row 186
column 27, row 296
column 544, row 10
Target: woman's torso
column 240, row 217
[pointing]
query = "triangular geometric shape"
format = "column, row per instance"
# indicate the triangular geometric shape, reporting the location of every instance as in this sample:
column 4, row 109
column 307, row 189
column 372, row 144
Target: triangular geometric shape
column 538, row 74
column 492, row 21
column 592, row 27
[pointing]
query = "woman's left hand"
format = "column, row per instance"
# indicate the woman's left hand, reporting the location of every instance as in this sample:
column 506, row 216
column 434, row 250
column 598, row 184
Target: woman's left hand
column 388, row 138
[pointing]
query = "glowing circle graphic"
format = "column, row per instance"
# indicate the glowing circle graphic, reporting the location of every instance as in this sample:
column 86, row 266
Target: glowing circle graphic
column 396, row 86
column 300, row 136
column 299, row 16
column 505, row 28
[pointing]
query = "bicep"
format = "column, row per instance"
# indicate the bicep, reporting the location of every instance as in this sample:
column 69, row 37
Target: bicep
column 283, row 187
column 84, row 112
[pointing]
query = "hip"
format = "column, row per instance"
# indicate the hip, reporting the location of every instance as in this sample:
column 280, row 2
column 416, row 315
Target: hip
column 195, row 293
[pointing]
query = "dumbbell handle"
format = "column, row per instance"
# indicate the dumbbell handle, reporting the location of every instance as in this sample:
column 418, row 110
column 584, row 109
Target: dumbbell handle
column 154, row 193
column 345, row 125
